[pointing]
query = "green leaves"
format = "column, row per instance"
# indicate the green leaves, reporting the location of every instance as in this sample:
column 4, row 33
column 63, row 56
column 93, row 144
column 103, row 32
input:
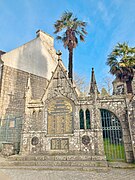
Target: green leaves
column 72, row 28
column 66, row 16
column 122, row 61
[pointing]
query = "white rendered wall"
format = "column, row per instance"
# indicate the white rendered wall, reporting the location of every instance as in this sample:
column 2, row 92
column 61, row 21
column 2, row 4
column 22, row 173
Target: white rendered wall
column 37, row 57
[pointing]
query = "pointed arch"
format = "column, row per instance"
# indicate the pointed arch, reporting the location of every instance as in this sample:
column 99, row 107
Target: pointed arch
column 112, row 136
column 60, row 116
column 34, row 114
column 88, row 123
column 81, row 116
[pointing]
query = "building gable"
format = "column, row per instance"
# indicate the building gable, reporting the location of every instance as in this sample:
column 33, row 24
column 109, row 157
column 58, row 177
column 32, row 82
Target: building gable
column 37, row 57
column 60, row 85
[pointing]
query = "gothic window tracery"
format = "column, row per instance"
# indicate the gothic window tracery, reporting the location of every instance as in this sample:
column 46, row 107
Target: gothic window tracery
column 85, row 122
column 88, row 125
column 81, row 115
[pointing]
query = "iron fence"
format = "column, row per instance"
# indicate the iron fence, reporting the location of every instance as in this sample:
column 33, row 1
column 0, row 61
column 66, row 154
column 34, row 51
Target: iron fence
column 10, row 131
column 112, row 135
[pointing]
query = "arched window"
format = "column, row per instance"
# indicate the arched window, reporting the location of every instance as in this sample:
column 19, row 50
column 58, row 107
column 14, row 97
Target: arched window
column 81, row 115
column 88, row 125
column 34, row 121
column 34, row 114
column 40, row 114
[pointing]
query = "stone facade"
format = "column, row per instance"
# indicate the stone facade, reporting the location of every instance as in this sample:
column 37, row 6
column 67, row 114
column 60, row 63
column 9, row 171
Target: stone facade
column 35, row 59
column 13, row 86
column 51, row 105
column 56, row 120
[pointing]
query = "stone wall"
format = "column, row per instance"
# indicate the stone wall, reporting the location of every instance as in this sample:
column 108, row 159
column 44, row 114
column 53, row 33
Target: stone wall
column 131, row 119
column 30, row 95
column 13, row 88
column 60, row 96
column 133, row 83
column 118, row 106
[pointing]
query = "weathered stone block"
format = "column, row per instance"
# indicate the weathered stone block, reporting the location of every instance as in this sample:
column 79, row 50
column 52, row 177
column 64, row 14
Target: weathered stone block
column 8, row 149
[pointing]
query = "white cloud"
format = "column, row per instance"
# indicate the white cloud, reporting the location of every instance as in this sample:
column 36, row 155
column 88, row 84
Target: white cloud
column 106, row 15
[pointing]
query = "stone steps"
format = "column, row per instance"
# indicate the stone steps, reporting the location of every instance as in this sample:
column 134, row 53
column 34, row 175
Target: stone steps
column 58, row 168
column 56, row 162
column 56, row 158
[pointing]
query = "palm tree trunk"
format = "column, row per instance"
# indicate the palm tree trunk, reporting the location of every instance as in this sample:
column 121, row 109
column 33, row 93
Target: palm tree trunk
column 129, row 86
column 70, row 65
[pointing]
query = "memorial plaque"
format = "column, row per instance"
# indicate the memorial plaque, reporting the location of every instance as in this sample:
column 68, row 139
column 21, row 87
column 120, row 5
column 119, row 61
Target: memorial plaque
column 51, row 125
column 59, row 144
column 60, row 117
column 64, row 144
column 55, row 144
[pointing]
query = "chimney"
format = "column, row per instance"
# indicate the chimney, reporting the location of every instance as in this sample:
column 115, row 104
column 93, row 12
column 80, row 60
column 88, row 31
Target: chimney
column 1, row 53
column 39, row 33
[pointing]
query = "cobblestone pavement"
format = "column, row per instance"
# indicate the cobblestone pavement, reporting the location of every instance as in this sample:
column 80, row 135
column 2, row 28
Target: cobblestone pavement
column 112, row 174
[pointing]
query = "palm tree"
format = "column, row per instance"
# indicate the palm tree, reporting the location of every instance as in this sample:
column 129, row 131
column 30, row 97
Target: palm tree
column 122, row 62
column 71, row 28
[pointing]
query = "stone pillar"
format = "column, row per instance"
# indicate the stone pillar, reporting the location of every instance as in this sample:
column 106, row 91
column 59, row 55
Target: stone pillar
column 99, row 133
column 99, row 144
column 127, row 143
column 24, row 145
column 25, row 137
column 133, row 83
column 131, row 120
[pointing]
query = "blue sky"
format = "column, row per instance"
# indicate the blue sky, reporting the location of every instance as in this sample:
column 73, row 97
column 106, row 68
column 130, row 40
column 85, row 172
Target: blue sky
column 108, row 22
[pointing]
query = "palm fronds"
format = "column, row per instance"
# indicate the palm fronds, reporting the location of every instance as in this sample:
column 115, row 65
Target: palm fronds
column 73, row 27
column 122, row 61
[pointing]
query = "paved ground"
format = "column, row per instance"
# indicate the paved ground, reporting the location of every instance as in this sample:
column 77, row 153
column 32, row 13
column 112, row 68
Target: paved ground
column 113, row 174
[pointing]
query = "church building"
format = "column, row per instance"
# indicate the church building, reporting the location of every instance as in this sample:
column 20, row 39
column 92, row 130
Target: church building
column 55, row 118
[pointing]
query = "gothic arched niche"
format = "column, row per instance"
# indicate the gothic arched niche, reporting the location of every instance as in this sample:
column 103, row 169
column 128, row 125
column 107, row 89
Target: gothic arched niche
column 60, row 116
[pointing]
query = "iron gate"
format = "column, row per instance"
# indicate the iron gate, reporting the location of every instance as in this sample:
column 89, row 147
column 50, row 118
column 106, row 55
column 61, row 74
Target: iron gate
column 112, row 135
column 10, row 131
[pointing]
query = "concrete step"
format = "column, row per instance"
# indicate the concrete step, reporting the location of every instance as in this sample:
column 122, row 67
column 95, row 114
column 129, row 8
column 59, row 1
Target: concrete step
column 65, row 161
column 56, row 158
column 122, row 165
column 59, row 168
column 55, row 163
